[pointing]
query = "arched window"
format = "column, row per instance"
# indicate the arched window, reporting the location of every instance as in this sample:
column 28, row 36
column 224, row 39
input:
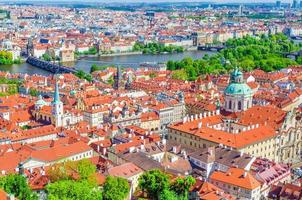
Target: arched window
column 239, row 105
column 230, row 104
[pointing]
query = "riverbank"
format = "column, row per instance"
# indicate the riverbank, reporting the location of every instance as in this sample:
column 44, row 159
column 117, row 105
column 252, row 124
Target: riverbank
column 121, row 54
column 132, row 53
column 132, row 61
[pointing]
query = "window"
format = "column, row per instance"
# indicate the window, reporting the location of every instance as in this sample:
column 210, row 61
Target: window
column 230, row 104
column 239, row 105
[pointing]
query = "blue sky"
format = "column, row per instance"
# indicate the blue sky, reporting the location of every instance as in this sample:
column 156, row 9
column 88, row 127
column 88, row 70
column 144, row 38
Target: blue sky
column 153, row 1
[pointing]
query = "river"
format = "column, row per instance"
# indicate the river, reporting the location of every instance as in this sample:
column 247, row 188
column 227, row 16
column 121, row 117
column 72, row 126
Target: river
column 124, row 60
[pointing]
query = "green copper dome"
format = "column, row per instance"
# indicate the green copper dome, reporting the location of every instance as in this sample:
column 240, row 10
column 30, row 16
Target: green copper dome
column 73, row 92
column 237, row 85
column 40, row 101
column 238, row 89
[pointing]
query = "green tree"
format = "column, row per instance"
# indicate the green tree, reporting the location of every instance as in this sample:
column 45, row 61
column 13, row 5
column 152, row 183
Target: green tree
column 70, row 189
column 152, row 75
column 180, row 75
column 6, row 57
column 92, row 50
column 95, row 67
column 168, row 195
column 17, row 185
column 83, row 75
column 33, row 92
column 46, row 57
column 66, row 170
column 154, row 182
column 115, row 188
column 181, row 186
column 110, row 80
column 299, row 60
column 156, row 48
column 85, row 168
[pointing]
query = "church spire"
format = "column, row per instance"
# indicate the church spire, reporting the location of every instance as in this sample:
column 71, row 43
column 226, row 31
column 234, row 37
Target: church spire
column 56, row 98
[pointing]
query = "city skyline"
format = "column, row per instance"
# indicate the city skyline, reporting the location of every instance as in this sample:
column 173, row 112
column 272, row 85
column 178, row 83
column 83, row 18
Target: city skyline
column 157, row 100
column 154, row 1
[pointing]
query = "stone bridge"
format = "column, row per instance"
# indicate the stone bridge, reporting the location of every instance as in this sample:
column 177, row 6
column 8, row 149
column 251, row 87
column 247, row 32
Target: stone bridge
column 49, row 66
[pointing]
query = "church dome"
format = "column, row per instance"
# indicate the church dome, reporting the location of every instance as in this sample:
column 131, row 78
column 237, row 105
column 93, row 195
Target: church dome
column 73, row 92
column 238, row 89
column 237, row 85
column 40, row 101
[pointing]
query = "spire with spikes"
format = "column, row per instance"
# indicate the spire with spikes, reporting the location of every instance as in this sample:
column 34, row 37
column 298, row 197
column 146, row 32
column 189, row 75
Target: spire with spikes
column 56, row 98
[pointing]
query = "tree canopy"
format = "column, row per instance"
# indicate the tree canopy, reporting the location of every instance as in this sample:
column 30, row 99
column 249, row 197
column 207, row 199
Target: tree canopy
column 17, row 185
column 153, row 183
column 83, row 75
column 71, row 189
column 248, row 53
column 72, row 170
column 6, row 58
column 95, row 67
column 158, row 186
column 115, row 188
column 156, row 48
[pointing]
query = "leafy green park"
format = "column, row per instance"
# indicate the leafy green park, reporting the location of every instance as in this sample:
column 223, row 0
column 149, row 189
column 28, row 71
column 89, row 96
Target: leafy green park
column 267, row 53
column 156, row 48
column 77, row 180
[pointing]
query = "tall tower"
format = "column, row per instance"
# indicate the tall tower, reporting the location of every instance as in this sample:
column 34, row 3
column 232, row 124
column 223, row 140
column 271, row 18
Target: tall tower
column 278, row 4
column 57, row 107
column 240, row 10
column 295, row 4
column 238, row 95
column 118, row 79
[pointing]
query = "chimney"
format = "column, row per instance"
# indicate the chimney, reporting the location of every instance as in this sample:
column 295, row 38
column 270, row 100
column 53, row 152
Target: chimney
column 210, row 151
column 199, row 125
column 174, row 149
column 244, row 174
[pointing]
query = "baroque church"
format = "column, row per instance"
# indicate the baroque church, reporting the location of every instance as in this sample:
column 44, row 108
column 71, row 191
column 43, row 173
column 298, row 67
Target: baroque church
column 54, row 113
column 262, row 131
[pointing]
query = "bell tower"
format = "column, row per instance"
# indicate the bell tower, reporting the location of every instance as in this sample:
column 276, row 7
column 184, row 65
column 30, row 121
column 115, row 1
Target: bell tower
column 57, row 107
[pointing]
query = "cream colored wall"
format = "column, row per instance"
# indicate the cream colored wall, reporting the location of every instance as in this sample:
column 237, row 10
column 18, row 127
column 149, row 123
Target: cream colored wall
column 262, row 149
column 189, row 140
column 152, row 124
column 265, row 149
